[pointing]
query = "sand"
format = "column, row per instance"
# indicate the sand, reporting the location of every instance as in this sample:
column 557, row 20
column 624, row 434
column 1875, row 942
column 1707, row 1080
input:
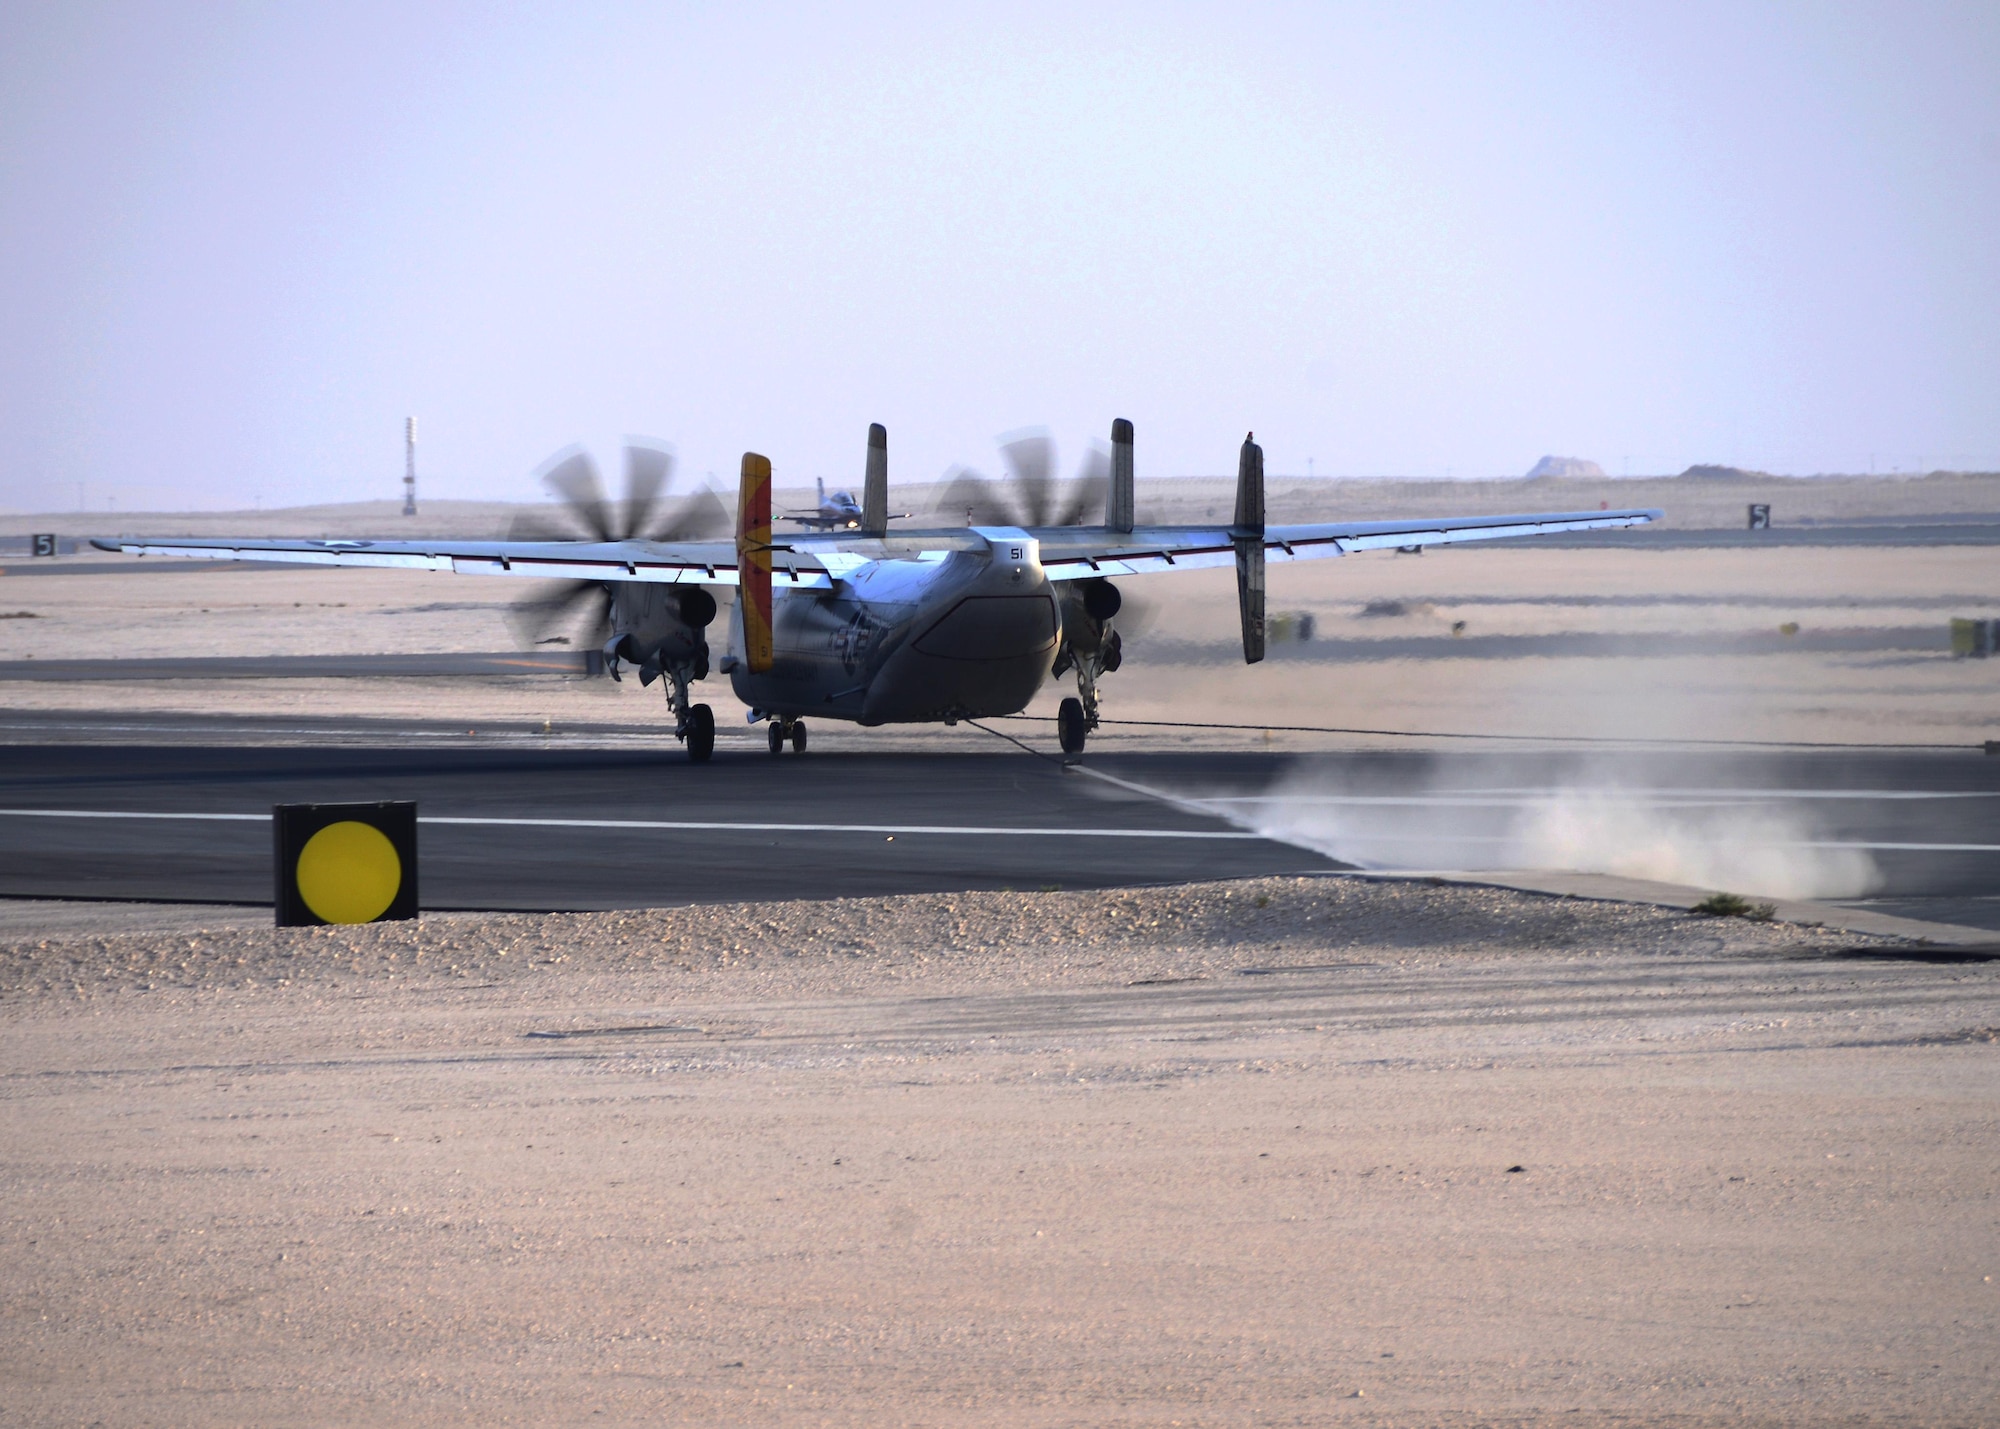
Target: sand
column 1280, row 1152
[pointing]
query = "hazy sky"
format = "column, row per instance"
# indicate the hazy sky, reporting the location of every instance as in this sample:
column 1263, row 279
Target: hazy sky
column 238, row 244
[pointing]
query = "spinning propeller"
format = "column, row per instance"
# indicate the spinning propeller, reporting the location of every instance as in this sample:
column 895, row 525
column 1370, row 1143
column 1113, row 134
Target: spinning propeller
column 568, row 608
column 1032, row 498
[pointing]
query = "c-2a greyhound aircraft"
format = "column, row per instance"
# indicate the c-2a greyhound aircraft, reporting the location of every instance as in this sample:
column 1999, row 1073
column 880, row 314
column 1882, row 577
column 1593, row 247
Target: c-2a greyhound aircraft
column 921, row 626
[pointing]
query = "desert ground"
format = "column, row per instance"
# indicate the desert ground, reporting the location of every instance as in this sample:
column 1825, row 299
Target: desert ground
column 1278, row 1152
column 1270, row 1152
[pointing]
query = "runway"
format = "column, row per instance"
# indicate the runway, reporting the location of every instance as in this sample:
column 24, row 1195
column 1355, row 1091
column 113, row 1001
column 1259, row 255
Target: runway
column 582, row 829
column 311, row 667
column 511, row 826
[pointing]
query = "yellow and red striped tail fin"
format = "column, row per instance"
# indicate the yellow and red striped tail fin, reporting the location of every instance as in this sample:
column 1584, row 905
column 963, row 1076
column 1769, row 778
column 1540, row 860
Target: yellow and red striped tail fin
column 753, row 560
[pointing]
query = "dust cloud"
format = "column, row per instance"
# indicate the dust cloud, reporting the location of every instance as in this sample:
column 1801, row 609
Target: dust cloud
column 1635, row 820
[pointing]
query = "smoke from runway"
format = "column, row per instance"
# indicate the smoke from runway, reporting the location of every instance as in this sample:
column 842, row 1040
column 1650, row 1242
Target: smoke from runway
column 1589, row 817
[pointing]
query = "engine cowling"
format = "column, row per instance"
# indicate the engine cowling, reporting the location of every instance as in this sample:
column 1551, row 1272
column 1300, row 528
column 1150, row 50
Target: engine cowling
column 1101, row 599
column 697, row 606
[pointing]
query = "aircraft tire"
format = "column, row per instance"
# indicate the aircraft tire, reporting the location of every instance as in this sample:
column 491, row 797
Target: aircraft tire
column 1071, row 727
column 775, row 732
column 701, row 733
column 798, row 736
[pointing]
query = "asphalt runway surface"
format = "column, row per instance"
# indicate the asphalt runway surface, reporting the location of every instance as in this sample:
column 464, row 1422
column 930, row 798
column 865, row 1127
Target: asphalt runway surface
column 521, row 827
column 582, row 829
column 321, row 667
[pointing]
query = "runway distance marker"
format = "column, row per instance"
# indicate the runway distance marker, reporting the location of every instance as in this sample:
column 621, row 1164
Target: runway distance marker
column 344, row 863
column 349, row 872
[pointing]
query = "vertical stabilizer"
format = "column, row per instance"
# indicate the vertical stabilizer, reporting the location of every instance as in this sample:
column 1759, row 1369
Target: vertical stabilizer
column 1118, row 502
column 1248, row 537
column 875, row 489
column 753, row 560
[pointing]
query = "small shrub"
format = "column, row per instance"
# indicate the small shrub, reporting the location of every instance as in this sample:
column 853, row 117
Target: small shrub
column 1732, row 905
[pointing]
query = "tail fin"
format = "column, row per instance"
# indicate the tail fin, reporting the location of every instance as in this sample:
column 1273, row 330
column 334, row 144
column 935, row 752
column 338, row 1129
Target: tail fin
column 819, row 487
column 1118, row 503
column 1248, row 537
column 753, row 560
column 875, row 489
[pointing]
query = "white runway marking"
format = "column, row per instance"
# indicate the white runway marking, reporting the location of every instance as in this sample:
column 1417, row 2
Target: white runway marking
column 977, row 830
column 1372, row 836
column 1514, row 798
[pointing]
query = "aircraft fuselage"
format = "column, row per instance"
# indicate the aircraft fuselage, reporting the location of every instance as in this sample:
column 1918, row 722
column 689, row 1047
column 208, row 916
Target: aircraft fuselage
column 938, row 636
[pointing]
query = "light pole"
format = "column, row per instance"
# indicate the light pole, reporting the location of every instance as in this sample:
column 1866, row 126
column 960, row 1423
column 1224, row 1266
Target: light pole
column 409, row 466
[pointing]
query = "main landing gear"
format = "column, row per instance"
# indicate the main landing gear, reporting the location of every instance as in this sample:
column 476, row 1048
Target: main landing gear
column 1072, row 725
column 1091, row 648
column 699, row 733
column 1077, row 716
column 694, row 725
column 779, row 730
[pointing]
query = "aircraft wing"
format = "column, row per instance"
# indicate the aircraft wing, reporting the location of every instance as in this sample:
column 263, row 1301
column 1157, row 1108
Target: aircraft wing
column 1077, row 553
column 806, row 561
column 667, row 563
column 816, row 561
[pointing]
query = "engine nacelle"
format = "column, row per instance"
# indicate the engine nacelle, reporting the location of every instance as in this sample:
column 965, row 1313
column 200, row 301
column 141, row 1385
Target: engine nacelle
column 662, row 627
column 697, row 606
column 1101, row 600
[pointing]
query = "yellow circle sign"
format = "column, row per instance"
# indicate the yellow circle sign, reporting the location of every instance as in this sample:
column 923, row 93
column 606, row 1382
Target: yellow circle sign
column 349, row 873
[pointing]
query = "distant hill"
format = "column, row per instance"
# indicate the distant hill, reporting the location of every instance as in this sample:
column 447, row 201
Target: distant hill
column 1725, row 473
column 1567, row 466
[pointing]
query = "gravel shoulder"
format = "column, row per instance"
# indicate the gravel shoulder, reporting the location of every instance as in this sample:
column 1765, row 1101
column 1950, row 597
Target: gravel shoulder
column 959, row 941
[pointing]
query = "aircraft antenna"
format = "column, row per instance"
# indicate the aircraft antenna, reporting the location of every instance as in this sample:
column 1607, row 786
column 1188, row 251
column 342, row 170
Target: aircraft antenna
column 409, row 466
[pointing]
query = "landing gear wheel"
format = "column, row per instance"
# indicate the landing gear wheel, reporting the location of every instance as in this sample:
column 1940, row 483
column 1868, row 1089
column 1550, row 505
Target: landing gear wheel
column 775, row 731
column 1072, row 728
column 701, row 733
column 798, row 736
